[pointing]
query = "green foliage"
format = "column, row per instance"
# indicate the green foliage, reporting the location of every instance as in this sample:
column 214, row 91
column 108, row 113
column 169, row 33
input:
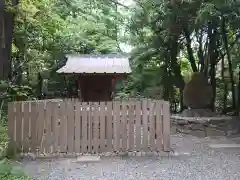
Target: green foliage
column 46, row 30
column 169, row 41
column 3, row 140
column 11, row 92
column 10, row 172
column 170, row 38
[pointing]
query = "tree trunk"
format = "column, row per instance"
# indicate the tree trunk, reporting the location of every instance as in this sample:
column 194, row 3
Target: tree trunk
column 173, row 49
column 238, row 110
column 200, row 52
column 40, row 85
column 19, row 70
column 6, row 18
column 8, row 30
column 225, row 85
column 212, row 54
column 175, row 67
column 189, row 50
column 225, row 41
column 2, row 41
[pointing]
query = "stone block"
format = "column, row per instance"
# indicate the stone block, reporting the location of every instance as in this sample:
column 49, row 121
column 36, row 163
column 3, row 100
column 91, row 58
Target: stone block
column 214, row 132
column 183, row 130
column 197, row 127
column 88, row 159
column 198, row 133
column 173, row 129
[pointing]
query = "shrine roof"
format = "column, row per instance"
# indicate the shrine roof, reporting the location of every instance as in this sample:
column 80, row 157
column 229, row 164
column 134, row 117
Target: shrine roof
column 90, row 64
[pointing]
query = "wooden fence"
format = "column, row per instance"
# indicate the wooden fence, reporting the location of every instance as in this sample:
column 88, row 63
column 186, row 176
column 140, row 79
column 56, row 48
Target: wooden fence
column 93, row 127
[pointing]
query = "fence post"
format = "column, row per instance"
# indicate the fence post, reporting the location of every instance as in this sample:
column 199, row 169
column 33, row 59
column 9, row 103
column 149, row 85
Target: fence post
column 166, row 126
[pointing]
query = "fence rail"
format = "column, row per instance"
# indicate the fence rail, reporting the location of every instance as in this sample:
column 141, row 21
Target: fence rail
column 89, row 127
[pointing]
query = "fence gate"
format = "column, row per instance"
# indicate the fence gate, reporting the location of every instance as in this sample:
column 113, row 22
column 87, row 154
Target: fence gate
column 93, row 127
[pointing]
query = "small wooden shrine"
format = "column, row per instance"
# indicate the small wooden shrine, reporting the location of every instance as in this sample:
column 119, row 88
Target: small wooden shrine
column 96, row 74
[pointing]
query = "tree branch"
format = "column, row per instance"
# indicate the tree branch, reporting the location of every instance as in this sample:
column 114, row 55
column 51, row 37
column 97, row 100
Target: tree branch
column 118, row 3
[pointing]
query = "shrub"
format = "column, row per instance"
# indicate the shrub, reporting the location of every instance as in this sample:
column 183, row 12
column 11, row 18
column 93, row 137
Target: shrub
column 10, row 172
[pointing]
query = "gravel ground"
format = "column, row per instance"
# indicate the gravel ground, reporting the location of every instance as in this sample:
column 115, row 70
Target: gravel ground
column 193, row 160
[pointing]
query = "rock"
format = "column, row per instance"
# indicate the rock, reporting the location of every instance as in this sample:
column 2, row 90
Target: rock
column 197, row 94
column 173, row 129
column 130, row 154
column 88, row 159
column 122, row 153
column 214, row 132
column 197, row 113
column 149, row 154
column 183, row 129
column 138, row 154
column 198, row 133
column 197, row 127
column 29, row 157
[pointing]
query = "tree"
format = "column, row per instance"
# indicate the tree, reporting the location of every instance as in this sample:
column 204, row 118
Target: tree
column 168, row 33
column 47, row 30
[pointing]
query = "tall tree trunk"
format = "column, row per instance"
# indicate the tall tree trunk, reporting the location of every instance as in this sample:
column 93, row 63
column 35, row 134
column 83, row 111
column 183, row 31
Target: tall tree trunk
column 175, row 67
column 8, row 21
column 213, row 83
column 6, row 18
column 19, row 70
column 200, row 52
column 212, row 54
column 40, row 85
column 189, row 50
column 2, row 41
column 173, row 49
column 225, row 85
column 238, row 110
column 225, row 41
column 165, row 83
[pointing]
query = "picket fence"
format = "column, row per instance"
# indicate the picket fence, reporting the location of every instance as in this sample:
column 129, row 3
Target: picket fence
column 71, row 126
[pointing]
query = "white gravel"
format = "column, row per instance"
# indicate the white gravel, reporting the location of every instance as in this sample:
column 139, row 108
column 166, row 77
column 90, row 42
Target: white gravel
column 195, row 160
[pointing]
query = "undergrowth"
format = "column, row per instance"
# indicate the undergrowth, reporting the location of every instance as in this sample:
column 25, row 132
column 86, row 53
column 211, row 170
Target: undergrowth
column 8, row 170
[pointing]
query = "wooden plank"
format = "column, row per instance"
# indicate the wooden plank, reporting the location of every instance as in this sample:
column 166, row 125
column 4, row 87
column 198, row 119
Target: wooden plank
column 90, row 127
column 78, row 127
column 55, row 127
column 102, row 126
column 19, row 123
column 26, row 122
column 166, row 126
column 63, row 127
column 116, row 125
column 131, row 126
column 70, row 126
column 145, row 125
column 152, row 131
column 96, row 116
column 48, row 127
column 159, row 128
column 84, row 140
column 40, row 125
column 33, row 119
column 138, row 125
column 124, row 126
column 109, row 126
column 12, row 124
